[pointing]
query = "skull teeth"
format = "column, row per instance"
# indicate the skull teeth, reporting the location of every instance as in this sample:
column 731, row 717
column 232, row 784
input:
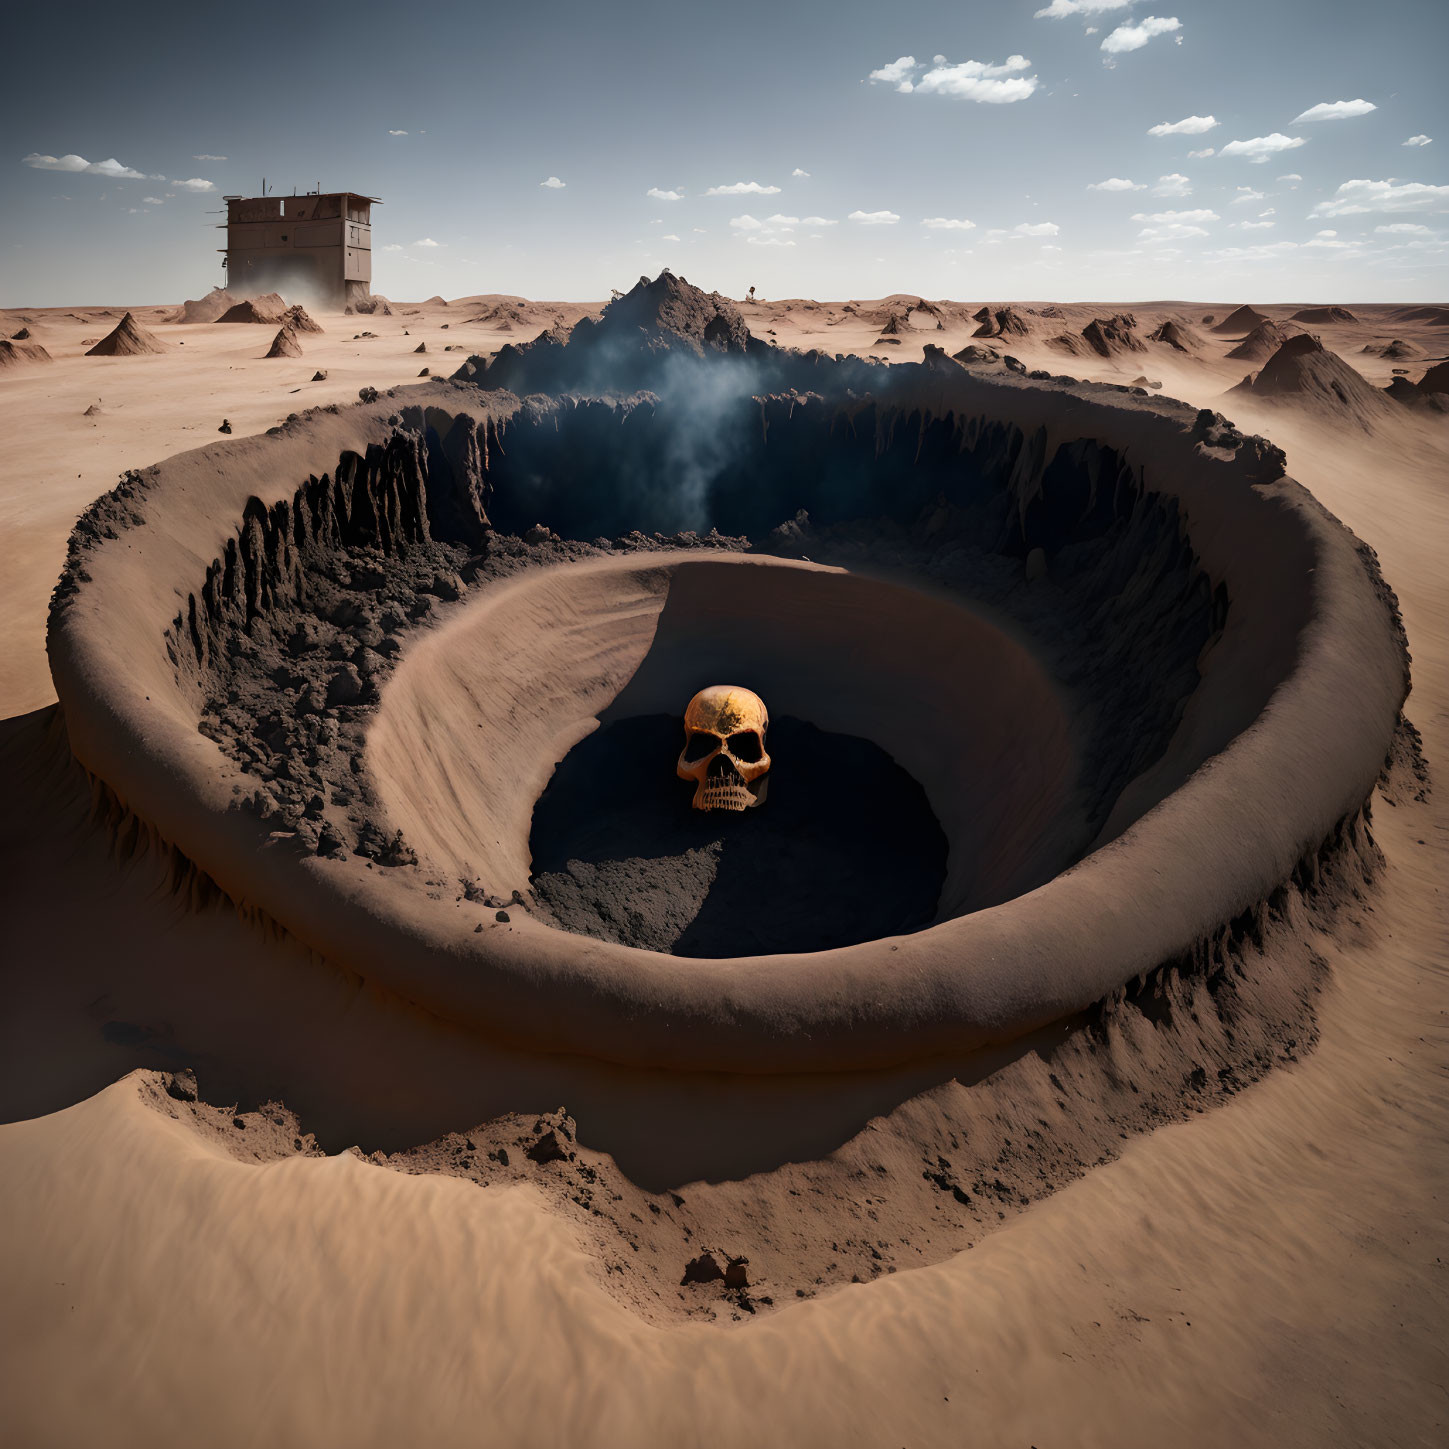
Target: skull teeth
column 725, row 797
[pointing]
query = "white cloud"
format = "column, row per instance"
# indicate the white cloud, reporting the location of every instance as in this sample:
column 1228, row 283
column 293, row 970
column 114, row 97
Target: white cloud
column 1023, row 229
column 72, row 162
column 1292, row 177
column 153, row 201
column 819, row 221
column 1173, row 184
column 798, row 172
column 1420, row 140
column 1329, row 241
column 1167, row 218
column 553, row 183
column 746, row 222
column 1064, row 9
column 785, row 221
column 898, row 73
column 660, row 195
column 1334, row 111
column 1260, row 148
column 669, row 236
column 1271, row 211
column 1188, row 126
column 947, row 223
column 393, row 247
column 874, row 218
column 770, row 241
column 1173, row 231
column 1404, row 228
column 390, row 133
column 1201, row 155
column 1134, row 37
column 426, row 241
column 1255, row 225
column 208, row 158
column 1356, row 197
column 1246, row 193
column 743, row 188
column 196, row 183
column 1115, row 183
column 967, row 80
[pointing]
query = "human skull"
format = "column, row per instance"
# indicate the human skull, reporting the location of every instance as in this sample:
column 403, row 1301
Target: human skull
column 724, row 748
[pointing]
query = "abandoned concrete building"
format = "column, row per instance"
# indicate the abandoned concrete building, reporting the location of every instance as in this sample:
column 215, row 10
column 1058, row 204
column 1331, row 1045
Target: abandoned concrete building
column 316, row 247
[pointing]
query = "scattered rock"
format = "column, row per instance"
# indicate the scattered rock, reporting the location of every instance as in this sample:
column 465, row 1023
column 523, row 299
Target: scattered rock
column 320, row 375
column 181, row 1085
column 549, row 1148
column 345, row 686
column 225, row 426
column 703, row 1269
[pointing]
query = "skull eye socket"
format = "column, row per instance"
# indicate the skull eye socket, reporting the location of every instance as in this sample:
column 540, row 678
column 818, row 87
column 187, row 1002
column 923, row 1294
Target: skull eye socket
column 700, row 746
column 747, row 746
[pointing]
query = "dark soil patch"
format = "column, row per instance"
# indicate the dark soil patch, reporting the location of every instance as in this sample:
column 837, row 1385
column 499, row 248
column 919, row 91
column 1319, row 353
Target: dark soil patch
column 844, row 849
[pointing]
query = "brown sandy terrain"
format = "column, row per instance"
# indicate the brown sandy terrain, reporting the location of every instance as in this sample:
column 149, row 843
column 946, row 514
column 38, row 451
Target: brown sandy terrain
column 1268, row 1271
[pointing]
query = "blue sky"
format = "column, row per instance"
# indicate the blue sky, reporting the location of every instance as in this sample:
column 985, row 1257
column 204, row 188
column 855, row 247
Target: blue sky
column 974, row 150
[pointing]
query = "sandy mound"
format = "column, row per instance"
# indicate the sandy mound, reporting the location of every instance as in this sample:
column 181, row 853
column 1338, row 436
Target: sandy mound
column 373, row 305
column 1070, row 343
column 1263, row 341
column 973, row 355
column 1112, row 336
column 1303, row 371
column 1241, row 321
column 649, row 331
column 18, row 354
column 1434, row 316
column 129, row 339
column 1393, row 350
column 269, row 309
column 1003, row 322
column 435, row 302
column 1431, row 392
column 210, row 308
column 1177, row 335
column 286, row 343
column 1319, row 315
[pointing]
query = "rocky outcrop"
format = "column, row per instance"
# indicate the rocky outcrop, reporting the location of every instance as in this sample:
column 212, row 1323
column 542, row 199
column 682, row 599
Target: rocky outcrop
column 1177, row 335
column 1303, row 371
column 1003, row 322
column 1112, row 336
column 1262, row 342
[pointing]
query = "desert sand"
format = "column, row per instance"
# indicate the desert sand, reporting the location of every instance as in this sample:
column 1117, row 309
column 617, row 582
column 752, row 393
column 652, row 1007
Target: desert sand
column 1258, row 1260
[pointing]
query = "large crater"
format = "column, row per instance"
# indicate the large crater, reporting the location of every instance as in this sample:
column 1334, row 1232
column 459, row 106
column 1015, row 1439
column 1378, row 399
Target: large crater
column 1132, row 672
